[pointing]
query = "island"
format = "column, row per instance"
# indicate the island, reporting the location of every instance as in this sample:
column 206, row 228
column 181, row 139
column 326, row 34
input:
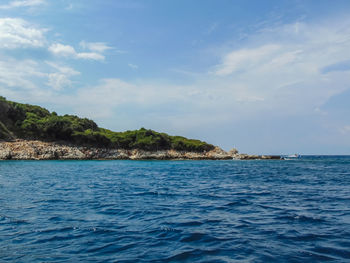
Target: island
column 30, row 132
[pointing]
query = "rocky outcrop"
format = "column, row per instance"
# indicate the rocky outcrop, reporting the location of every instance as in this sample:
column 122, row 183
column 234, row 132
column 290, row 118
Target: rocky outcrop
column 244, row 156
column 39, row 150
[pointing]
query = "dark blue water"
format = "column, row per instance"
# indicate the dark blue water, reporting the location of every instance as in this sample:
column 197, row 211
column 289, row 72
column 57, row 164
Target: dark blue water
column 175, row 211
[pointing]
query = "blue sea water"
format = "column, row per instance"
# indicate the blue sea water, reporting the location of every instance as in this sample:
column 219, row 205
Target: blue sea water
column 175, row 211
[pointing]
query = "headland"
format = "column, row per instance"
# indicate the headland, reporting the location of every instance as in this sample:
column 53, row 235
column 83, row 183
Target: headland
column 29, row 132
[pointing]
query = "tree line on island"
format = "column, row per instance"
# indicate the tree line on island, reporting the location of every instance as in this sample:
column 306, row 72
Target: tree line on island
column 24, row 121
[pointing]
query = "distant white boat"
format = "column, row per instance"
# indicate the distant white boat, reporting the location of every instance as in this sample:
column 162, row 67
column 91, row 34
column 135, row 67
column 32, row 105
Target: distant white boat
column 291, row 156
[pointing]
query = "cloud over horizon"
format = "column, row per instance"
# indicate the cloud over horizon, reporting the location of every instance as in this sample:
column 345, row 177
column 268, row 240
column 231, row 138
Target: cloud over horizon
column 22, row 3
column 290, row 72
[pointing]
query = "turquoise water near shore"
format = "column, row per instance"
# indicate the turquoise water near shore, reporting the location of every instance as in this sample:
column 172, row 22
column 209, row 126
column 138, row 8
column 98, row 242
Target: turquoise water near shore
column 176, row 211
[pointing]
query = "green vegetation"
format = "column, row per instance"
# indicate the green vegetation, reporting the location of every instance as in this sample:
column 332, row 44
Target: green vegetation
column 33, row 122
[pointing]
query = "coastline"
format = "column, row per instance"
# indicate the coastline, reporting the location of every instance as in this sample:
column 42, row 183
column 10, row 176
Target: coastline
column 40, row 150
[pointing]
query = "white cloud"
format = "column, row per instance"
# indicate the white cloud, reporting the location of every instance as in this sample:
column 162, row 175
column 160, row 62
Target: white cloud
column 69, row 51
column 133, row 66
column 22, row 3
column 63, row 50
column 345, row 130
column 16, row 74
column 90, row 55
column 99, row 47
column 23, row 80
column 212, row 28
column 17, row 33
column 246, row 59
column 112, row 93
column 283, row 67
column 58, row 80
column 63, row 69
column 26, row 76
column 31, row 80
column 70, row 6
column 61, row 77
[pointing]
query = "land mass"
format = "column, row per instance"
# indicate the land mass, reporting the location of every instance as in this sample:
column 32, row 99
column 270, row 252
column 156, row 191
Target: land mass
column 29, row 132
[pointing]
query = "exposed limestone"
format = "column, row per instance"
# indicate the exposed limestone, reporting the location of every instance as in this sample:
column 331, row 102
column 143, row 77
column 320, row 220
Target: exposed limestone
column 39, row 150
column 233, row 152
column 243, row 156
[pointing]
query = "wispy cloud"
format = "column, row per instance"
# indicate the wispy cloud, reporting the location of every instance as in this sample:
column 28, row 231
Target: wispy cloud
column 113, row 93
column 285, row 65
column 70, row 6
column 345, row 129
column 22, row 3
column 61, row 78
column 246, row 59
column 99, row 47
column 18, row 33
column 69, row 52
column 212, row 28
column 29, row 79
column 20, row 75
column 133, row 66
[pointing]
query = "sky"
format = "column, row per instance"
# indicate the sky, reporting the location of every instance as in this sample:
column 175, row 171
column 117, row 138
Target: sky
column 265, row 77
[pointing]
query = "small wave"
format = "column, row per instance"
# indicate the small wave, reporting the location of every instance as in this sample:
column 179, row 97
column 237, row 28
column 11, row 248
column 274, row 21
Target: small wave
column 241, row 202
column 155, row 193
column 200, row 238
column 271, row 207
column 55, row 230
column 304, row 237
column 212, row 221
column 12, row 220
column 169, row 229
column 110, row 248
column 185, row 255
column 189, row 223
column 312, row 256
column 49, row 201
column 57, row 238
column 336, row 252
column 167, row 233
column 193, row 237
column 302, row 218
column 56, row 218
column 146, row 193
column 111, row 211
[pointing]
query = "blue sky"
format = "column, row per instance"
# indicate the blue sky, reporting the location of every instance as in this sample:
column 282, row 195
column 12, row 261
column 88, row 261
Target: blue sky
column 266, row 77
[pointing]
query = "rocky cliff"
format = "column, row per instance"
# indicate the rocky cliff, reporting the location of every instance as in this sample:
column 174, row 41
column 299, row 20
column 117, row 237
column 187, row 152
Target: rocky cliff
column 39, row 150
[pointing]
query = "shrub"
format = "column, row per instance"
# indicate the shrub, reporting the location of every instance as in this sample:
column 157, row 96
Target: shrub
column 34, row 122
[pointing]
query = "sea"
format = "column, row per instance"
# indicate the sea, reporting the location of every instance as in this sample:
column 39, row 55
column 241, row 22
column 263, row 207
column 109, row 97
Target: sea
column 176, row 211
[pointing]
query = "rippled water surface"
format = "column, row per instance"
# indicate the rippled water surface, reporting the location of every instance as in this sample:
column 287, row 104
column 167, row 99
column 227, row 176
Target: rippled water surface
column 175, row 211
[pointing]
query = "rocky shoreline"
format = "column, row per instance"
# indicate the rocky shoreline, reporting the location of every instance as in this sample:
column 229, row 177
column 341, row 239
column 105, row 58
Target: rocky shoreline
column 40, row 150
